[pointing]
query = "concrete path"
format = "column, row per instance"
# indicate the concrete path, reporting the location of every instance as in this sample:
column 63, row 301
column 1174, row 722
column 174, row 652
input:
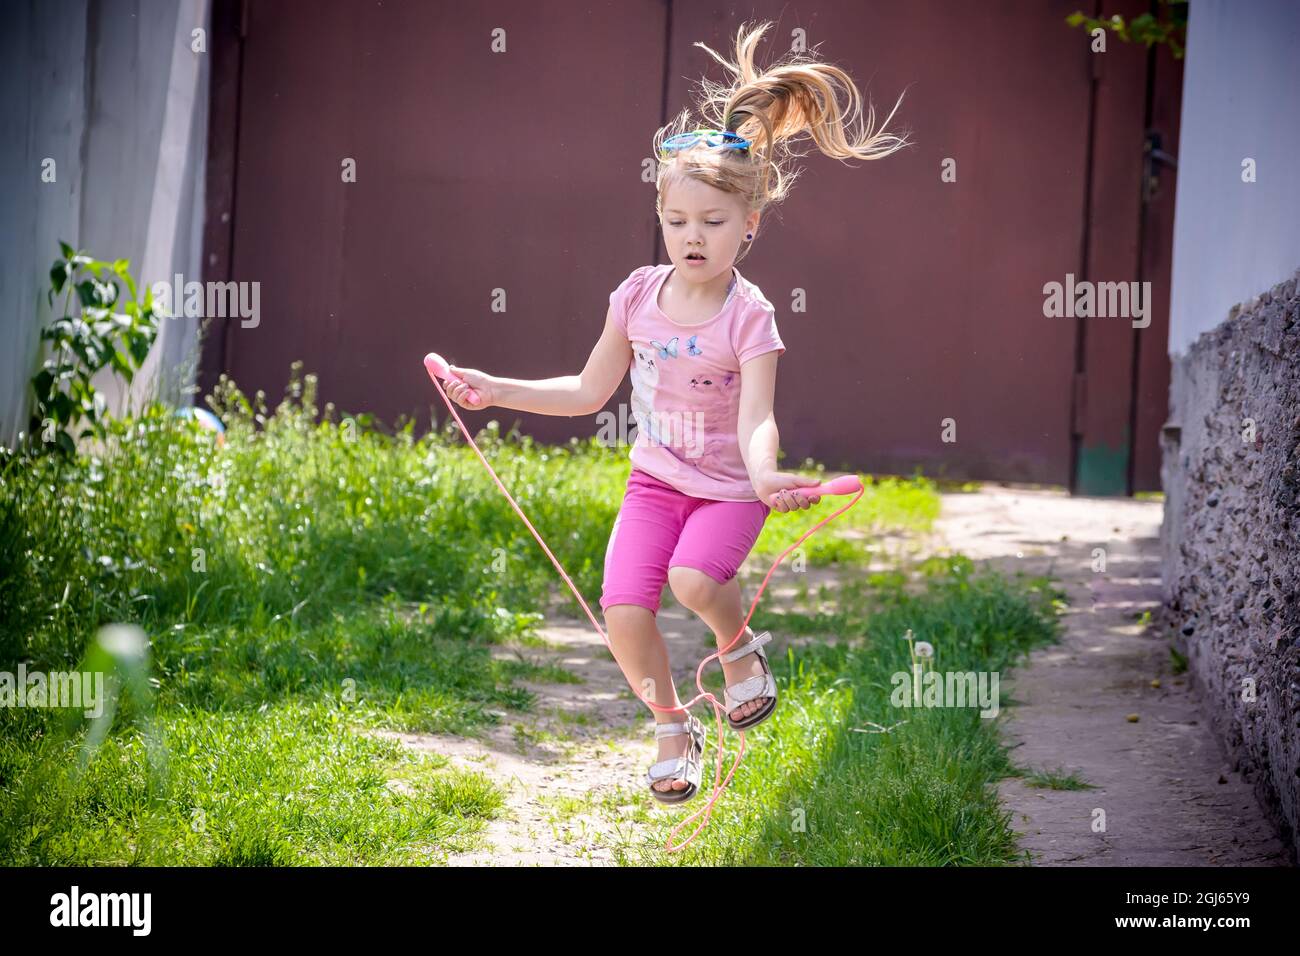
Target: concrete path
column 1162, row 782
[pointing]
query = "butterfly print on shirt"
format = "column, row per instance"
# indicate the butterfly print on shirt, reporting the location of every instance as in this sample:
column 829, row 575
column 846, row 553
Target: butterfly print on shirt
column 666, row 351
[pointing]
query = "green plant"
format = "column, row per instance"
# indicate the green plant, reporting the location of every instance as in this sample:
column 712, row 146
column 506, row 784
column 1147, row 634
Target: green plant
column 86, row 343
column 1145, row 28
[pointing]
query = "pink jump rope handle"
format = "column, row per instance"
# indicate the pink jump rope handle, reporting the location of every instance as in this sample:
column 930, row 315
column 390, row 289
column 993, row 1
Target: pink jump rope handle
column 843, row 485
column 437, row 366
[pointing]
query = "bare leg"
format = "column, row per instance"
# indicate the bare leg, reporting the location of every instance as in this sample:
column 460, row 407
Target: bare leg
column 718, row 605
column 642, row 655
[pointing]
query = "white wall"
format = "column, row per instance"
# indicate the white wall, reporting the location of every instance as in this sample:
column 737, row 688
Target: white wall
column 1241, row 98
column 110, row 90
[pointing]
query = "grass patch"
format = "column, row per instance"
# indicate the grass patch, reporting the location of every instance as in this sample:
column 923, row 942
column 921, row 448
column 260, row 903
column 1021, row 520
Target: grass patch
column 308, row 582
column 887, row 504
column 285, row 785
column 1056, row 779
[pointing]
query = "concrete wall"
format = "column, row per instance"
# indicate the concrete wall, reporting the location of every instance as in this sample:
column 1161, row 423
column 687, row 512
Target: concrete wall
column 1231, row 449
column 1241, row 89
column 112, row 92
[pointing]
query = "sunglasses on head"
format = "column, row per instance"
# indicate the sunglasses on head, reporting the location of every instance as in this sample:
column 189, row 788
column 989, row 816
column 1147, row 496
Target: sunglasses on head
column 722, row 139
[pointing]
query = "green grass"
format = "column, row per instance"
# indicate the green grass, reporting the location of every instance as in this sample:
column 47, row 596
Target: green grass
column 288, row 784
column 1056, row 779
column 304, row 586
column 887, row 504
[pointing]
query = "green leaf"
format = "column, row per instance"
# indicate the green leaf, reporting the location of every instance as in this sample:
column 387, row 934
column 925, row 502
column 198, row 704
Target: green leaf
column 67, row 250
column 105, row 293
column 79, row 347
column 139, row 346
column 62, row 408
column 121, row 365
column 125, row 275
column 42, row 382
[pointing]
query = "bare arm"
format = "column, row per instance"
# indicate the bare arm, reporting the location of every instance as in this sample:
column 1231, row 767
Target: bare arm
column 582, row 394
column 759, row 439
column 755, row 424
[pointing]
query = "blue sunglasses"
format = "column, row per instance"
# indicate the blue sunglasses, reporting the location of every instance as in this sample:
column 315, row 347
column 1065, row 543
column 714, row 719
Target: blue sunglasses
column 713, row 137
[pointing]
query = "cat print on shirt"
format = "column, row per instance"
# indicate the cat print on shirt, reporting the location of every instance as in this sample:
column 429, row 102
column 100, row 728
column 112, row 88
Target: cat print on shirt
column 712, row 388
column 709, row 382
column 645, row 379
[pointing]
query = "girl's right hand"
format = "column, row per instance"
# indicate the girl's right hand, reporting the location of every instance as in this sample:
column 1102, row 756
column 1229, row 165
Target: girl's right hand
column 480, row 382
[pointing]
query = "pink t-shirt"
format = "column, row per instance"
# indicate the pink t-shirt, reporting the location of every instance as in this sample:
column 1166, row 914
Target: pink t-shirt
column 686, row 383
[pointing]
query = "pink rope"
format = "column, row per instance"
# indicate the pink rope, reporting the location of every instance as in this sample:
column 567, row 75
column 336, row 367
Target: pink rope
column 719, row 785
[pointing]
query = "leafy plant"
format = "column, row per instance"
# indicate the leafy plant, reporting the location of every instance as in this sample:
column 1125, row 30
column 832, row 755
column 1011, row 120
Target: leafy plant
column 82, row 345
column 1144, row 28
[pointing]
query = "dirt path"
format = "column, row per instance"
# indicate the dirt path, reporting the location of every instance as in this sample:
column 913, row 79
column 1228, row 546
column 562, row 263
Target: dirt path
column 574, row 768
column 1163, row 782
column 576, row 752
column 574, row 782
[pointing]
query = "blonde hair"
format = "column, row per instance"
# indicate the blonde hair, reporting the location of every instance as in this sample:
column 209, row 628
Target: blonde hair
column 769, row 108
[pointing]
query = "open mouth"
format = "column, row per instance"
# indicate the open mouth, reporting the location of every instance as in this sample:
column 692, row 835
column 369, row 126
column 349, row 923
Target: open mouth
column 695, row 257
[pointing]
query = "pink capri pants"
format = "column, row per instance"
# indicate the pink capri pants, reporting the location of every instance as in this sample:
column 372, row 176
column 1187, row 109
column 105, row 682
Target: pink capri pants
column 658, row 528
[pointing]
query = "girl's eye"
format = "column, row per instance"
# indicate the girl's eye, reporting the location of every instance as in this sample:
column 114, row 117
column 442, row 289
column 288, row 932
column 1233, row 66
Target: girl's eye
column 709, row 221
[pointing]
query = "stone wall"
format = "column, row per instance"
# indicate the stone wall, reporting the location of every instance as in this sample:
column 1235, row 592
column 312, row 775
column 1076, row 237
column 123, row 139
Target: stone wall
column 1231, row 538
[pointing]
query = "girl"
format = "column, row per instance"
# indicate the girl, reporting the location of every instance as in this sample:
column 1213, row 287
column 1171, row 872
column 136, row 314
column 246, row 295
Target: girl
column 701, row 344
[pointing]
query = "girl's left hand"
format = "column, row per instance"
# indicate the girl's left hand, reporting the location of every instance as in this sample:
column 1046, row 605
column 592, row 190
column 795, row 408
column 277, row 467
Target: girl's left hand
column 769, row 483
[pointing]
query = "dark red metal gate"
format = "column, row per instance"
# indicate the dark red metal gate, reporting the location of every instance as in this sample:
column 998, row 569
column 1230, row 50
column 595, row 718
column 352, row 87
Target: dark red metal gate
column 488, row 175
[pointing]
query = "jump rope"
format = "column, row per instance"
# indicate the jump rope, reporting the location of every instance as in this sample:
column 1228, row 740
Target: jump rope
column 843, row 485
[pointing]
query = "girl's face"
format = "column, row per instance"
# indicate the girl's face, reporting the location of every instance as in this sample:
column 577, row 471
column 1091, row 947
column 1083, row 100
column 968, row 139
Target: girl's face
column 702, row 219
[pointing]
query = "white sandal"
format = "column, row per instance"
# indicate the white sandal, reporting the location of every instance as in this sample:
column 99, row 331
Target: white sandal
column 687, row 766
column 751, row 688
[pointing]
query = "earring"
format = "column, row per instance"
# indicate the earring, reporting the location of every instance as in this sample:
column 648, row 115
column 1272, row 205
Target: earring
column 749, row 236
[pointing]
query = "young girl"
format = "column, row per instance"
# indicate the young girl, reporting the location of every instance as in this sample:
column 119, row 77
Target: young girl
column 701, row 344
